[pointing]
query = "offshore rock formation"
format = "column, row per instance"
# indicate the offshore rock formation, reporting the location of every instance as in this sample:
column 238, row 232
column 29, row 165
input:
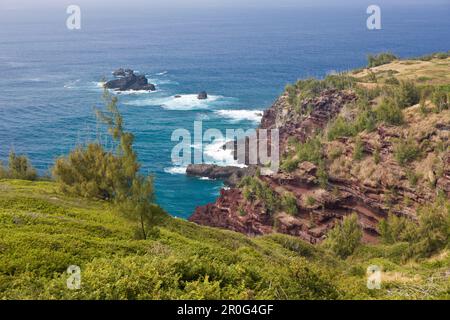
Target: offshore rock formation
column 128, row 80
column 371, row 188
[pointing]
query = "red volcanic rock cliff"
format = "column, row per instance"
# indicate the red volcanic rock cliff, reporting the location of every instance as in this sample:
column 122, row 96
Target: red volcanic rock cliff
column 372, row 186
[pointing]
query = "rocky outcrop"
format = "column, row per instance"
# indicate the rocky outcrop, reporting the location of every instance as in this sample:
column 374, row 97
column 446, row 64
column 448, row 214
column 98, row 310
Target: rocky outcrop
column 122, row 72
column 128, row 80
column 202, row 95
column 229, row 175
column 312, row 115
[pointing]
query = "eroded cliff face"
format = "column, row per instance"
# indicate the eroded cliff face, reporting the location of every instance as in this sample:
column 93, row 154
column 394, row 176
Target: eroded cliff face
column 372, row 186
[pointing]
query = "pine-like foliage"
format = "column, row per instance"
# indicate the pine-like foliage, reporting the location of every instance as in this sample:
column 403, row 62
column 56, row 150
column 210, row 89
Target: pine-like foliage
column 92, row 172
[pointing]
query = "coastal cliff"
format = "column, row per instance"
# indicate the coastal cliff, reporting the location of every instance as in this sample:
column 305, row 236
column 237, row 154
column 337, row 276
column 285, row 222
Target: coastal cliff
column 374, row 142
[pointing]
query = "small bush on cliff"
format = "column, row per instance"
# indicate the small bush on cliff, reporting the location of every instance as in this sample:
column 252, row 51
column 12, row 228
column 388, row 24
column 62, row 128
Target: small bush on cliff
column 406, row 150
column 440, row 98
column 255, row 189
column 19, row 167
column 397, row 229
column 344, row 238
column 389, row 113
column 92, row 172
column 289, row 203
column 434, row 228
column 380, row 59
column 429, row 235
column 358, row 152
column 406, row 95
column 340, row 127
column 310, row 151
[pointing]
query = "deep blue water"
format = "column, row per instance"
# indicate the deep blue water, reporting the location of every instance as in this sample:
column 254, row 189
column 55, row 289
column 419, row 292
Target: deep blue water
column 243, row 58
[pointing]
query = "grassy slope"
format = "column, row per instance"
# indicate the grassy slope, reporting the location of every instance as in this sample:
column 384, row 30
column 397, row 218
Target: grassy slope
column 433, row 72
column 42, row 232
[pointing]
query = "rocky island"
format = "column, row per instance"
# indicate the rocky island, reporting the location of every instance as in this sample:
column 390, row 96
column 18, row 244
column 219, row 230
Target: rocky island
column 127, row 79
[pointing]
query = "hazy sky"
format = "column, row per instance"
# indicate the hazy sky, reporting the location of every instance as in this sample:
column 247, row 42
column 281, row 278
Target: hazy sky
column 36, row 4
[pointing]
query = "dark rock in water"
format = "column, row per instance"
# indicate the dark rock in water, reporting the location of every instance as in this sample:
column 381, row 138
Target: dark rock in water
column 128, row 80
column 122, row 72
column 202, row 95
column 177, row 96
column 229, row 175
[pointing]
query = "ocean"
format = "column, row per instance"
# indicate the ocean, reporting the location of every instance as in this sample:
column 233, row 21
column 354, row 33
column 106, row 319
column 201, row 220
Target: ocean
column 243, row 58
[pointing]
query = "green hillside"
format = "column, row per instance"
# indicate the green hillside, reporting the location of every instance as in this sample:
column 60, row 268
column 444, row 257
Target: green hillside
column 42, row 232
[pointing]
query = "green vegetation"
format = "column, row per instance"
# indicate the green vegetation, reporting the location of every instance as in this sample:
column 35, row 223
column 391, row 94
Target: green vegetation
column 92, row 172
column 389, row 113
column 377, row 155
column 310, row 151
column 426, row 237
column 441, row 98
column 255, row 189
column 311, row 88
column 358, row 152
column 406, row 150
column 345, row 237
column 43, row 231
column 380, row 59
column 406, row 94
column 437, row 55
column 310, row 201
column 289, row 203
column 19, row 167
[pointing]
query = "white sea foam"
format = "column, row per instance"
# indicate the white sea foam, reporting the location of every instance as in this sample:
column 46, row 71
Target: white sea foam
column 214, row 153
column 175, row 170
column 241, row 115
column 182, row 102
column 72, row 84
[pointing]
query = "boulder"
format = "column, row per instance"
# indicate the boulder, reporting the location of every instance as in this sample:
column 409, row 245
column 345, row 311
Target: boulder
column 202, row 95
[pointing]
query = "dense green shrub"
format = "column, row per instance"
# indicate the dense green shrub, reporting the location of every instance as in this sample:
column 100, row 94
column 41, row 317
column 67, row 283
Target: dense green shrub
column 389, row 113
column 406, row 95
column 340, row 127
column 380, row 59
column 406, row 150
column 430, row 234
column 366, row 120
column 19, row 167
column 345, row 237
column 397, row 229
column 255, row 189
column 289, row 203
column 92, row 172
column 310, row 151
